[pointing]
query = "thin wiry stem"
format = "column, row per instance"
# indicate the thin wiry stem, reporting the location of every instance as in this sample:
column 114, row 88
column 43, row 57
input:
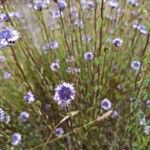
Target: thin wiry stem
column 64, row 34
column 142, row 59
column 101, row 29
column 76, row 130
column 19, row 67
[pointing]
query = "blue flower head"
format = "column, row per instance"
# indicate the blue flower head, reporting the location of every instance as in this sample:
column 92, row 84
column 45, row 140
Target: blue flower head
column 8, row 36
column 29, row 97
column 24, row 116
column 16, row 139
column 64, row 94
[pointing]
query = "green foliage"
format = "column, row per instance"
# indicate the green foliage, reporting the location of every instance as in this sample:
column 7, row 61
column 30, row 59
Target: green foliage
column 108, row 75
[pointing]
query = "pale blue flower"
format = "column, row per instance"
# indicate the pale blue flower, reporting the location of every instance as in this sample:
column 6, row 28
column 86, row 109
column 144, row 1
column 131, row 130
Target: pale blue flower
column 7, row 75
column 88, row 56
column 106, row 104
column 135, row 65
column 16, row 139
column 8, row 36
column 2, row 115
column 24, row 116
column 113, row 3
column 117, row 42
column 59, row 132
column 55, row 66
column 64, row 93
column 29, row 97
column 41, row 4
column 61, row 4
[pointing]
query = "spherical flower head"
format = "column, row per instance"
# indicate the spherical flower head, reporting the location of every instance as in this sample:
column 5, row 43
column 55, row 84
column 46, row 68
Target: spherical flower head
column 24, row 116
column 61, row 4
column 115, row 114
column 88, row 56
column 133, row 2
column 54, row 66
column 106, row 104
column 64, row 94
column 40, row 4
column 143, row 29
column 135, row 65
column 29, row 97
column 16, row 139
column 4, row 17
column 113, row 3
column 59, row 132
column 8, row 36
column 117, row 42
column 7, row 75
column 6, row 119
column 78, row 23
column 140, row 27
column 73, row 14
column 87, row 4
column 15, row 15
column 57, row 14
column 53, row 44
column 2, row 115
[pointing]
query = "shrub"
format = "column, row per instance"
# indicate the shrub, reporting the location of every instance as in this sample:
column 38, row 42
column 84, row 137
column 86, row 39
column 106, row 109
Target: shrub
column 74, row 74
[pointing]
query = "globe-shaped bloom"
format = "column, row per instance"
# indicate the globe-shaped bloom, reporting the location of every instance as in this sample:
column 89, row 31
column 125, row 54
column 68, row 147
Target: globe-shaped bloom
column 29, row 97
column 8, row 36
column 61, row 4
column 113, row 3
column 16, row 139
column 115, row 114
column 15, row 14
column 6, row 119
column 140, row 27
column 2, row 115
column 59, row 132
column 54, row 66
column 7, row 75
column 88, row 4
column 56, row 14
column 41, row 4
column 24, row 116
column 53, row 44
column 88, row 56
column 133, row 2
column 135, row 65
column 4, row 17
column 64, row 94
column 106, row 104
column 143, row 29
column 117, row 42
